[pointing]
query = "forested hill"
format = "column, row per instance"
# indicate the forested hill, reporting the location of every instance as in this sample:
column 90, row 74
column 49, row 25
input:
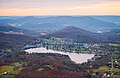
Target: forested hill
column 13, row 41
column 76, row 34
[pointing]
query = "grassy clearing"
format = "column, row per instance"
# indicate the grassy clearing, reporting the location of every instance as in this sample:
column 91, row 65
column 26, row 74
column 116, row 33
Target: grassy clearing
column 5, row 68
column 116, row 76
column 115, row 70
column 19, row 64
column 103, row 68
column 40, row 69
column 7, row 76
column 94, row 70
column 14, row 72
column 106, row 68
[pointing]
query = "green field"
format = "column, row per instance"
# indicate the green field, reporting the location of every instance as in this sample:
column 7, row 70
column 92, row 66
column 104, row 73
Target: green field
column 14, row 72
column 116, row 76
column 6, row 76
column 5, row 68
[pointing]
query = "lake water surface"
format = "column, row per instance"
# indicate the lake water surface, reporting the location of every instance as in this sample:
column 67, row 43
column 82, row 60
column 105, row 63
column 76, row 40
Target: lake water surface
column 78, row 58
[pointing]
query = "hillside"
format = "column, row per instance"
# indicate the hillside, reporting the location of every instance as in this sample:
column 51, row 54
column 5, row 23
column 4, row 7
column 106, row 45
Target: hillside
column 113, row 31
column 13, row 41
column 112, row 35
column 112, row 19
column 13, row 30
column 76, row 34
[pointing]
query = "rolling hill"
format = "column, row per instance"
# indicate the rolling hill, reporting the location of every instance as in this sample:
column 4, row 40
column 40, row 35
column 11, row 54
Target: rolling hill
column 84, row 36
column 112, row 35
column 76, row 34
column 13, row 41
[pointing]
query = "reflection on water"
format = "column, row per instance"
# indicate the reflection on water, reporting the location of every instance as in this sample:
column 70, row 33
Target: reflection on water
column 78, row 58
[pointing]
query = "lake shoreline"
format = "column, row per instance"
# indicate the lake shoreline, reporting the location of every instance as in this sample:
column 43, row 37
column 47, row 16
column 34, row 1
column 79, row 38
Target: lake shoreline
column 78, row 58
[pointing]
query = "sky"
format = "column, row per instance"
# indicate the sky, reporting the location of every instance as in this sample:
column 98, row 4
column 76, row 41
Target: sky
column 59, row 7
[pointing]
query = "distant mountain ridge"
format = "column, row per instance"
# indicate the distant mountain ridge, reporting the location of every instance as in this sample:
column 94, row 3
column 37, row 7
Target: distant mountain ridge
column 112, row 19
column 88, row 28
column 56, row 22
column 13, row 30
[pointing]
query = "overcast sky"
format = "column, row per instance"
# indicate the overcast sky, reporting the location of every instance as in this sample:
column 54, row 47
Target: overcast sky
column 59, row 7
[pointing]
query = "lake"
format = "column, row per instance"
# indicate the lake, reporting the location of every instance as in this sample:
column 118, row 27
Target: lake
column 78, row 58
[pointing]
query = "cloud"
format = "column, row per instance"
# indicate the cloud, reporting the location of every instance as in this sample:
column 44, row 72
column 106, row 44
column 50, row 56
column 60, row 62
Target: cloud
column 77, row 10
column 44, row 3
column 59, row 7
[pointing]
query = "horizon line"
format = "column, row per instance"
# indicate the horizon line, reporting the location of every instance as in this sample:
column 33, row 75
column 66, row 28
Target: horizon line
column 60, row 15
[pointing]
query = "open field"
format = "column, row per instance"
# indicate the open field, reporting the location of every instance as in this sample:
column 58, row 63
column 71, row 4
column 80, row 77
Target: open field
column 5, row 68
